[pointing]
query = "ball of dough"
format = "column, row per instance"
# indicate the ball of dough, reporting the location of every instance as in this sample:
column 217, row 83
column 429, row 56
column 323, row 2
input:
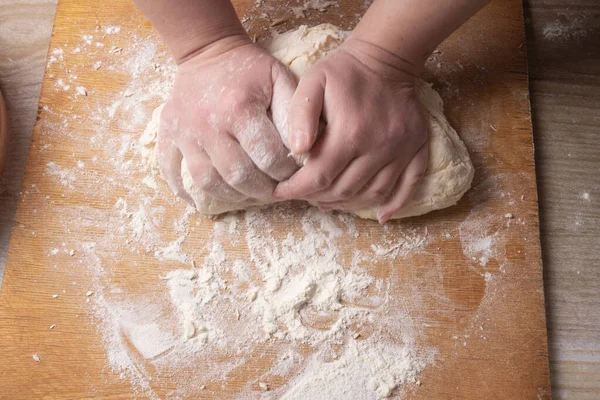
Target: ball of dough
column 449, row 172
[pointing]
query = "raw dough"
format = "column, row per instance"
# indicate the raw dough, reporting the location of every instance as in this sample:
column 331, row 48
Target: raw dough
column 449, row 173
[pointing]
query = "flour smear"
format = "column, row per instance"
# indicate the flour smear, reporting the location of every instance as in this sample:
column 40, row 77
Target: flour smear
column 275, row 303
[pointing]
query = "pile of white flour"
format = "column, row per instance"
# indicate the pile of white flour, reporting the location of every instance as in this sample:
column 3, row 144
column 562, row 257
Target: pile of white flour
column 292, row 297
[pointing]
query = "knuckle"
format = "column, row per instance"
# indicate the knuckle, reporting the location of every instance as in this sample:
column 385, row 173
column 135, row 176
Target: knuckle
column 355, row 139
column 394, row 141
column 344, row 194
column 268, row 161
column 378, row 194
column 232, row 95
column 206, row 180
column 353, row 133
column 237, row 175
column 239, row 109
column 235, row 103
column 320, row 181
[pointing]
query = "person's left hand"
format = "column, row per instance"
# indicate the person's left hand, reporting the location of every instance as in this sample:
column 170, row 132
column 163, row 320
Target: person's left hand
column 373, row 151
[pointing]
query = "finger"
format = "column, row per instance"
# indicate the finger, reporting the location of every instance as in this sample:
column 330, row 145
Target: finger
column 406, row 186
column 284, row 86
column 326, row 161
column 208, row 205
column 305, row 112
column 169, row 162
column 352, row 179
column 206, row 178
column 236, row 168
column 374, row 193
column 262, row 142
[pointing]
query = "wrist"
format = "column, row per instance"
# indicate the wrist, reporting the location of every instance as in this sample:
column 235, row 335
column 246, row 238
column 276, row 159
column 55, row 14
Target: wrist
column 190, row 27
column 412, row 29
column 409, row 54
column 209, row 49
column 382, row 61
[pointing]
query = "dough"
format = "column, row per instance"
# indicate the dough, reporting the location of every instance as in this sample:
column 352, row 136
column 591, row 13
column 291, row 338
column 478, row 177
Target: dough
column 449, row 173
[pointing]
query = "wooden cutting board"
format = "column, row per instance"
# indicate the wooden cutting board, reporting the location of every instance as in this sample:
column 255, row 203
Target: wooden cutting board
column 94, row 229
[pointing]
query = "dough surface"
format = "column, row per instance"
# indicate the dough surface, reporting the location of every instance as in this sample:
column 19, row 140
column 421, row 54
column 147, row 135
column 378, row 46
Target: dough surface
column 449, row 172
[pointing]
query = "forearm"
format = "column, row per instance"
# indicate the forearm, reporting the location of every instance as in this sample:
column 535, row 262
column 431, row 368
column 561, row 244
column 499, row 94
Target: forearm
column 192, row 26
column 412, row 29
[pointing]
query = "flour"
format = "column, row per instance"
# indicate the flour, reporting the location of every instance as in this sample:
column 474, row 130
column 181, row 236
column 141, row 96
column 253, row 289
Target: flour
column 394, row 247
column 477, row 248
column 320, row 5
column 203, row 312
column 586, row 197
column 367, row 369
column 294, row 291
column 112, row 29
column 66, row 176
column 573, row 26
column 301, row 295
column 483, row 235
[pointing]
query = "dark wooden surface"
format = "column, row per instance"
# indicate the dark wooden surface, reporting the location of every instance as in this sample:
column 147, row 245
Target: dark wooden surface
column 564, row 73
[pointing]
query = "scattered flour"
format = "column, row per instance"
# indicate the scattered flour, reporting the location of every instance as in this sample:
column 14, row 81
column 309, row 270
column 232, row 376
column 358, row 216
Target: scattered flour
column 302, row 294
column 574, row 26
column 586, row 197
column 478, row 248
column 401, row 244
column 66, row 176
column 317, row 318
column 214, row 311
column 320, row 5
column 367, row 369
column 112, row 29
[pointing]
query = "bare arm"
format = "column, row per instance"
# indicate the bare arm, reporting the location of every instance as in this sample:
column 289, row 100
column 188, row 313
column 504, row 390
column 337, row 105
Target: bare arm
column 190, row 27
column 412, row 29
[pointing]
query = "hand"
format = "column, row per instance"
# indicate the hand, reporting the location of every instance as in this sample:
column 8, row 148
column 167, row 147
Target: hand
column 373, row 149
column 217, row 120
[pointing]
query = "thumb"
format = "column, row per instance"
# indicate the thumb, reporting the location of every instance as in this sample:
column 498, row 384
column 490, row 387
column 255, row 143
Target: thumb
column 305, row 112
column 284, row 86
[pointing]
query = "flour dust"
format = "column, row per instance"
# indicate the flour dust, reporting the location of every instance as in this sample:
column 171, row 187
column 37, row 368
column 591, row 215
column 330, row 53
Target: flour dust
column 286, row 302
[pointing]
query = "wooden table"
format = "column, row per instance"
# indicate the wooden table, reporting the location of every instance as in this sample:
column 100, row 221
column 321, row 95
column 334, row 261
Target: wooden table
column 564, row 60
column 566, row 381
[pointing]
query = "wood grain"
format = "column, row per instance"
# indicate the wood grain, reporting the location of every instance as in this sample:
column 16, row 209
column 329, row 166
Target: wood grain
column 25, row 28
column 572, row 312
column 564, row 59
column 3, row 133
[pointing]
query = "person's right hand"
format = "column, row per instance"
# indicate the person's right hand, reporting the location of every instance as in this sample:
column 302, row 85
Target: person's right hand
column 217, row 120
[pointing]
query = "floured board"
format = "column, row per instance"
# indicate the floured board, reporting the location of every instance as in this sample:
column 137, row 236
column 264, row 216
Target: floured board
column 452, row 303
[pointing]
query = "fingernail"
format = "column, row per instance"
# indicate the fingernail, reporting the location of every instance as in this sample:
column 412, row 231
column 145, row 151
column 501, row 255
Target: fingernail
column 277, row 195
column 382, row 217
column 297, row 142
